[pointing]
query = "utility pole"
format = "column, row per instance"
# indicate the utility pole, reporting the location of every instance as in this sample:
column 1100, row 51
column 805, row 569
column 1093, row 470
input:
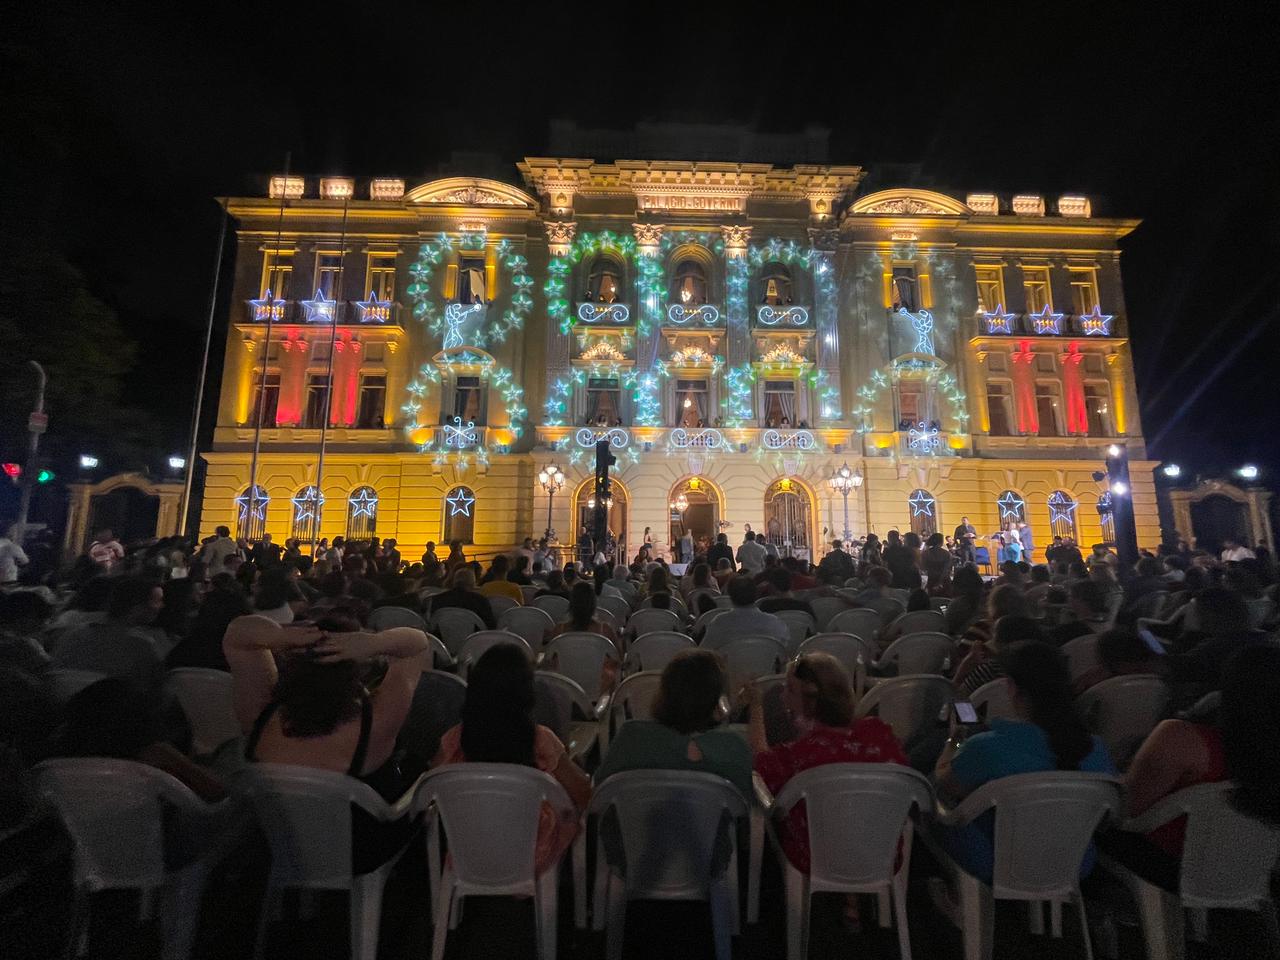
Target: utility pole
column 37, row 423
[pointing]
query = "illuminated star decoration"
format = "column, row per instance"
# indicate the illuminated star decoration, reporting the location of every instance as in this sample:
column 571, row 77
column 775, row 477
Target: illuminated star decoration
column 307, row 504
column 267, row 306
column 455, row 315
column 1011, row 506
column 458, row 435
column 260, row 506
column 374, row 310
column 320, row 310
column 997, row 321
column 460, row 502
column 1095, row 323
column 1046, row 321
column 363, row 504
column 923, row 437
column 1062, row 509
column 921, row 504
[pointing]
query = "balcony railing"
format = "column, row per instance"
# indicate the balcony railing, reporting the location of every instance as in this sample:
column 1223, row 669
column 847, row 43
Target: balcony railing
column 604, row 314
column 700, row 438
column 458, row 434
column 588, row 437
column 689, row 315
column 782, row 318
column 775, row 439
column 321, row 312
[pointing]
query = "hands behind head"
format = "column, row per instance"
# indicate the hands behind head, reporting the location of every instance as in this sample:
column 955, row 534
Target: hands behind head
column 333, row 647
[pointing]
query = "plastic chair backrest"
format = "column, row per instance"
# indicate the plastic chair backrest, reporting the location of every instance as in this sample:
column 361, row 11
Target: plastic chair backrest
column 750, row 657
column 620, row 609
column 861, row 622
column 501, row 604
column 799, row 625
column 700, row 625
column 384, row 618
column 992, row 700
column 1240, row 880
column 65, row 684
column 723, row 602
column 920, row 653
column 845, row 647
column 207, row 698
column 113, row 811
column 580, row 657
column 437, row 706
column 648, row 620
column 900, row 594
column 475, row 646
column 824, row 608
column 633, row 698
column 528, row 592
column 937, row 603
column 654, row 650
column 920, row 621
column 555, row 699
column 1044, row 824
column 555, row 606
column 889, row 609
column 531, row 623
column 1123, row 710
column 669, row 822
column 1081, row 654
column 677, row 605
column 490, row 813
column 454, row 624
column 908, row 704
column 856, row 814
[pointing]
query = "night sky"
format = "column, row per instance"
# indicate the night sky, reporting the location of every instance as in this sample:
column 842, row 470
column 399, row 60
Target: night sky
column 131, row 125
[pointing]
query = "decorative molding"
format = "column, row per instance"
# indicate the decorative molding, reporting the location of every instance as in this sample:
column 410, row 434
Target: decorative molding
column 386, row 188
column 648, row 236
column 1074, row 207
column 736, row 239
column 560, row 234
column 908, row 202
column 471, row 192
column 337, row 188
column 1028, row 205
column 986, row 204
column 824, row 238
column 288, row 187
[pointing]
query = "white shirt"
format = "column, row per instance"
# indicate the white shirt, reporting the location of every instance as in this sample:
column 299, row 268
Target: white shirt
column 1236, row 554
column 106, row 554
column 751, row 556
column 744, row 622
column 11, row 557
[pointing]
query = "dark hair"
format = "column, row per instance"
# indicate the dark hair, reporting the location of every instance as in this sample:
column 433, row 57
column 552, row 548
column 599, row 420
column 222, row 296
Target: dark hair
column 742, row 591
column 706, row 601
column 272, row 590
column 779, row 579
column 497, row 715
column 701, row 574
column 1250, row 722
column 692, row 683
column 879, row 576
column 1040, row 674
column 1040, row 573
column 1007, row 600
column 935, row 540
column 967, row 582
column 316, row 698
column 1149, row 567
column 25, row 607
column 1016, row 629
column 128, row 593
column 918, row 599
column 498, row 568
column 1122, row 646
column 660, row 600
column 1089, row 592
column 582, row 605
column 600, row 576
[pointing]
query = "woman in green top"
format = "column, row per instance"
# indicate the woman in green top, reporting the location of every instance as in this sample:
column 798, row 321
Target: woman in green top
column 682, row 734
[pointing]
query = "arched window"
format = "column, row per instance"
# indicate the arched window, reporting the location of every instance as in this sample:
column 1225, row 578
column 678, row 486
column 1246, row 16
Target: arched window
column 460, row 515
column 362, row 513
column 1012, row 507
column 307, row 505
column 251, row 513
column 924, row 513
column 775, row 285
column 604, row 285
column 690, row 284
column 1062, row 514
column 904, row 289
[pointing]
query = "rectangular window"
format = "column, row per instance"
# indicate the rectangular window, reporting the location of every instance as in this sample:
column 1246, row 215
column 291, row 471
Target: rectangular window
column 999, row 409
column 317, row 401
column 1097, row 405
column 990, row 286
column 471, row 288
column 905, row 295
column 328, row 270
column 691, row 404
column 276, row 273
column 910, row 404
column 266, row 397
column 1035, row 284
column 373, row 397
column 1084, row 289
column 780, row 403
column 382, row 276
column 604, row 402
column 467, row 401
column 1049, row 407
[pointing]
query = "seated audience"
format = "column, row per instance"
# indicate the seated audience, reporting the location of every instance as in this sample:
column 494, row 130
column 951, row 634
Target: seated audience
column 496, row 582
column 23, row 614
column 966, row 606
column 1087, row 604
column 464, row 594
column 202, row 647
column 121, row 645
column 582, row 614
column 554, row 586
column 1121, row 652
column 983, row 662
column 743, row 619
column 780, row 597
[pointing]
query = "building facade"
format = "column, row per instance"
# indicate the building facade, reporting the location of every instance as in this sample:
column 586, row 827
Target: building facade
column 403, row 361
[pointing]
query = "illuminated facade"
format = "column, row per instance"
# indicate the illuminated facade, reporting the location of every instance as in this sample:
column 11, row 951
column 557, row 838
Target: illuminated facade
column 737, row 331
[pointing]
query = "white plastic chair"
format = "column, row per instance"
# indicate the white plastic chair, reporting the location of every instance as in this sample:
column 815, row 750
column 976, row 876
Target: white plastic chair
column 908, row 704
column 306, row 816
column 1044, row 823
column 669, row 823
column 580, row 657
column 677, row 606
column 490, row 814
column 115, row 811
column 799, row 625
column 384, row 618
column 992, row 700
column 919, row 621
column 620, row 609
column 1227, row 861
column 1081, row 654
column 65, row 684
column 900, row 594
column 700, row 625
column 632, row 699
column 528, row 592
column 723, row 602
column 649, row 620
column 824, row 608
column 750, row 657
column 654, row 650
column 562, row 697
column 501, row 604
column 854, row 653
column 888, row 608
column 453, row 625
column 856, row 813
column 475, row 646
column 1123, row 710
column 436, row 707
column 608, row 618
column 556, row 607
column 861, row 622
column 918, row 653
column 531, row 623
column 208, row 700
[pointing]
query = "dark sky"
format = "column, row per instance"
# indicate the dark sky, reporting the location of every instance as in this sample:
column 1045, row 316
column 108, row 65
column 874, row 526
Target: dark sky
column 144, row 118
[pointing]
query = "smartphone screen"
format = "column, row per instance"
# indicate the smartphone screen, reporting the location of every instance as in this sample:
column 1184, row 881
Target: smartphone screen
column 1151, row 640
column 965, row 712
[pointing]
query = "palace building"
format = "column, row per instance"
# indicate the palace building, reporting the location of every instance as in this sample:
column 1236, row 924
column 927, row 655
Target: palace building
column 404, row 360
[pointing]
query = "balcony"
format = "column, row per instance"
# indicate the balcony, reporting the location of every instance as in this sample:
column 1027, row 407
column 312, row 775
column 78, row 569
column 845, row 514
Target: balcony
column 317, row 312
column 603, row 314
column 457, row 435
column 782, row 318
column 689, row 316
column 791, row 440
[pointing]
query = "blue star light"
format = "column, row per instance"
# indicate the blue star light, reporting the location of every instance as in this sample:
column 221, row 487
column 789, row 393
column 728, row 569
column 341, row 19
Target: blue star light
column 1046, row 321
column 363, row 504
column 921, row 504
column 1062, row 509
column 1011, row 506
column 1095, row 323
column 320, row 310
column 307, row 504
column 997, row 321
column 267, row 307
column 374, row 310
column 260, row 504
column 460, row 502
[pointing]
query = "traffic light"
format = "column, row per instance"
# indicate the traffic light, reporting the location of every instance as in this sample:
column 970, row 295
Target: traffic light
column 44, row 476
column 13, row 471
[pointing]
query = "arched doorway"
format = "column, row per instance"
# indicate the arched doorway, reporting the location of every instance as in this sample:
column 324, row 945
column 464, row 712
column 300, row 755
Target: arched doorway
column 130, row 513
column 788, row 518
column 615, row 545
column 694, row 506
column 1218, row 517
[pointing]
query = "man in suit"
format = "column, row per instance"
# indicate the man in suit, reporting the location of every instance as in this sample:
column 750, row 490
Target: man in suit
column 965, row 534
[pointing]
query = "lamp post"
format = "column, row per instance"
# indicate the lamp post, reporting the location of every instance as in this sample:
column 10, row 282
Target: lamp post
column 552, row 479
column 844, row 481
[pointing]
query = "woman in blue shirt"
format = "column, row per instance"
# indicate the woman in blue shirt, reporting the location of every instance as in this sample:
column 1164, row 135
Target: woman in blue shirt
column 1046, row 736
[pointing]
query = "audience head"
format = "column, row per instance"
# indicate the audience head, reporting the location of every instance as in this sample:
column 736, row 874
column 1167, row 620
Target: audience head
column 621, row 571
column 1087, row 599
column 967, row 582
column 688, row 698
column 893, row 538
column 1221, row 611
column 1250, row 722
column 751, row 536
column 1040, row 573
column 935, row 540
column 1040, row 689
column 1007, row 600
column 779, row 579
column 316, row 697
column 497, row 715
column 918, row 599
column 1122, row 651
column 723, row 565
column 742, row 591
column 1015, row 629
column 223, row 531
column 1149, row 567
column 701, row 574
column 911, row 540
column 818, row 690
column 722, row 538
column 135, row 600
column 582, row 605
column 498, row 569
column 555, row 581
column 464, row 578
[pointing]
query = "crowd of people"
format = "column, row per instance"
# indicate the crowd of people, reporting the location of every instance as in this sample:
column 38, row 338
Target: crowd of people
column 316, row 687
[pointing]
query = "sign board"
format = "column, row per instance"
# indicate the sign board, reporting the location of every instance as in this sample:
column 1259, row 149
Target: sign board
column 38, row 422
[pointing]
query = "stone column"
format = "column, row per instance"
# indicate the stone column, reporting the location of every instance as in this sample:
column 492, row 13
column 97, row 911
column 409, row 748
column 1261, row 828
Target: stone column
column 1024, row 388
column 649, row 305
column 294, row 353
column 826, row 310
column 560, row 234
column 737, row 301
column 978, row 393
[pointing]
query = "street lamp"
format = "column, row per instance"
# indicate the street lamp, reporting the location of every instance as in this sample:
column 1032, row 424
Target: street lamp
column 88, row 461
column 177, row 463
column 1248, row 472
column 844, row 481
column 552, row 479
column 1171, row 470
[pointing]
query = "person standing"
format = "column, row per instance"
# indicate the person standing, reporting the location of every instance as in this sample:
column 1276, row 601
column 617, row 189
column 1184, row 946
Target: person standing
column 720, row 551
column 106, row 551
column 751, row 555
column 1028, row 541
column 686, row 547
column 11, row 558
column 214, row 553
column 965, row 534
